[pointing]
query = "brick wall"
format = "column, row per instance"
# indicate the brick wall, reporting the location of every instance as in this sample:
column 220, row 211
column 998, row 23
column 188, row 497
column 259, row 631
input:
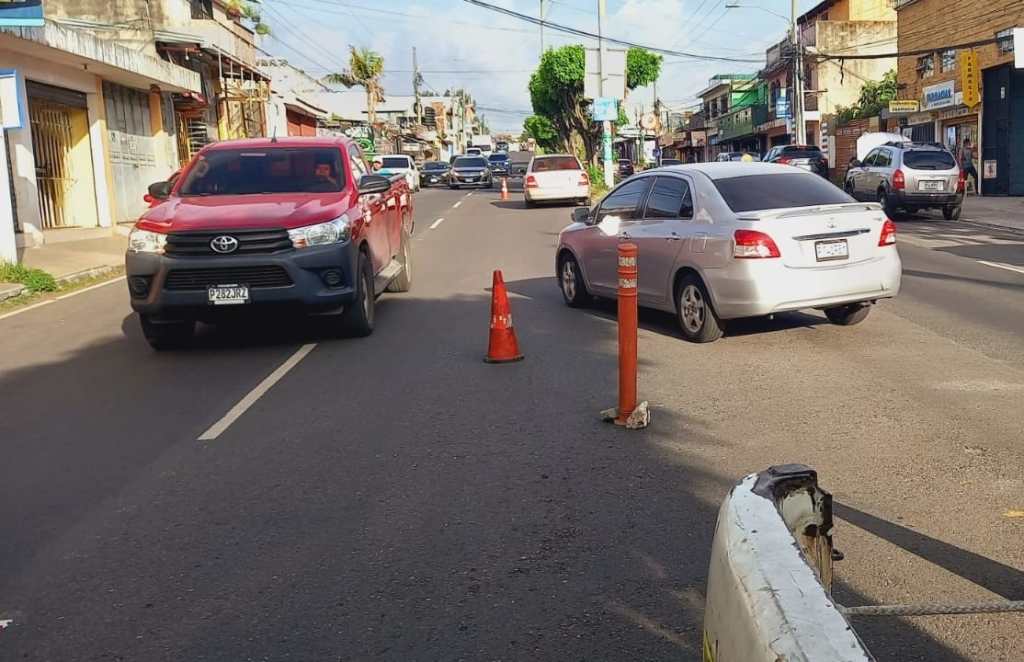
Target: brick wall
column 939, row 23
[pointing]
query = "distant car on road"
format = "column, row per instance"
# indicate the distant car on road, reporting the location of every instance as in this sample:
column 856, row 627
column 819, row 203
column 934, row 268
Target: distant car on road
column 720, row 241
column 469, row 171
column 556, row 178
column 499, row 164
column 808, row 157
column 671, row 162
column 434, row 173
column 474, row 151
column 625, row 168
column 279, row 226
column 909, row 176
column 400, row 164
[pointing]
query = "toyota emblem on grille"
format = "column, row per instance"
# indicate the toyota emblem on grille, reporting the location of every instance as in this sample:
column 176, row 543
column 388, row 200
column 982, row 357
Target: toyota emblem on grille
column 224, row 244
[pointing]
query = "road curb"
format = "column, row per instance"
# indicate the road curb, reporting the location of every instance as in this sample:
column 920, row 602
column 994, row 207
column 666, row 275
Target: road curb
column 10, row 291
column 992, row 226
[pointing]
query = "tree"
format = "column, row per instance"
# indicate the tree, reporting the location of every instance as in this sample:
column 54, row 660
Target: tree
column 556, row 93
column 874, row 96
column 247, row 9
column 365, row 68
column 542, row 131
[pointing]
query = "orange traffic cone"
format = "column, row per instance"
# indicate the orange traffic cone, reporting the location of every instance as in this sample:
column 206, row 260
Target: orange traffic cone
column 504, row 188
column 503, row 346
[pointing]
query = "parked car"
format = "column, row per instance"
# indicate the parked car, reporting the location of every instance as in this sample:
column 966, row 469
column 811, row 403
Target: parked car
column 469, row 171
column 433, row 173
column 400, row 164
column 278, row 226
column 720, row 241
column 556, row 178
column 909, row 176
column 625, row 168
column 499, row 164
column 808, row 157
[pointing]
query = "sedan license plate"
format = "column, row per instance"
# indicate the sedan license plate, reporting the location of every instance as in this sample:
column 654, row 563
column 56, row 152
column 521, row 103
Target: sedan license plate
column 226, row 295
column 931, row 186
column 836, row 249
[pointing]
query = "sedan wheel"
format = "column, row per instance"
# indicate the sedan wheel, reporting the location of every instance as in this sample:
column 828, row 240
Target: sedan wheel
column 574, row 290
column 697, row 318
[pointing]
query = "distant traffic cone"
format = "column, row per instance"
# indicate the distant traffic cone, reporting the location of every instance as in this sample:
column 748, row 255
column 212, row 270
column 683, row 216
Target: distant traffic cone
column 503, row 346
column 504, row 188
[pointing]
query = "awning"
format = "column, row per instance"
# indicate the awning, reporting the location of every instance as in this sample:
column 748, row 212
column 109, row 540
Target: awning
column 227, row 61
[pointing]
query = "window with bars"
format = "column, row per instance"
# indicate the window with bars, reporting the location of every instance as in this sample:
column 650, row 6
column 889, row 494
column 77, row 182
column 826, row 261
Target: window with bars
column 1005, row 40
column 926, row 66
column 947, row 60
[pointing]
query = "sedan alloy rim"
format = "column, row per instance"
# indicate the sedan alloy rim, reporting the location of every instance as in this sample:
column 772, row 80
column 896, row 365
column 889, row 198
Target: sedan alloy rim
column 568, row 280
column 693, row 308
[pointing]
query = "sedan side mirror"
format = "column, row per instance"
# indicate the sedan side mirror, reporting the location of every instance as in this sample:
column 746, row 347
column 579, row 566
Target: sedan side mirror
column 160, row 190
column 582, row 215
column 373, row 184
column 855, row 163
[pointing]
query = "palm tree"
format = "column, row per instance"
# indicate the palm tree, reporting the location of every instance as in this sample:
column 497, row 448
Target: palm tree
column 365, row 68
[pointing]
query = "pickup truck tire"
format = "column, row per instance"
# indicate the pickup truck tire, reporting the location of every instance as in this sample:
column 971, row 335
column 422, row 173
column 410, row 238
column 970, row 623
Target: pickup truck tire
column 357, row 320
column 167, row 335
column 403, row 281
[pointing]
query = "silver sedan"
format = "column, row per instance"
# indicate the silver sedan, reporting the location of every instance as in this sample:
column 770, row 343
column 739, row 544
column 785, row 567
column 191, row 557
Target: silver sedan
column 720, row 241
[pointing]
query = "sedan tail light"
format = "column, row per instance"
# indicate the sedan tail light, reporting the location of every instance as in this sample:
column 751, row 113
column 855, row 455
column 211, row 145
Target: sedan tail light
column 888, row 237
column 752, row 245
column 531, row 181
column 961, row 182
column 899, row 182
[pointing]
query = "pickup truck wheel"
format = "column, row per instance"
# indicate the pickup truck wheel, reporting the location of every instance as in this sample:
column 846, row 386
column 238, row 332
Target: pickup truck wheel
column 849, row 315
column 357, row 320
column 403, row 281
column 167, row 335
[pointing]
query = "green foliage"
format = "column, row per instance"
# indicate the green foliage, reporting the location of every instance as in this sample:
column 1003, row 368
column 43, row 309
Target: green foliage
column 556, row 93
column 874, row 96
column 365, row 67
column 541, row 130
column 623, row 118
column 36, row 280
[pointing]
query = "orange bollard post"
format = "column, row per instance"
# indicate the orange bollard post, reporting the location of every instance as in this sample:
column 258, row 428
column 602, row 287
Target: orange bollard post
column 628, row 321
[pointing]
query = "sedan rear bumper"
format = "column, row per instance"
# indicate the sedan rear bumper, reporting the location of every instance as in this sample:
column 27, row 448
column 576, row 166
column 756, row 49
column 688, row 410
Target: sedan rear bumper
column 755, row 288
column 546, row 193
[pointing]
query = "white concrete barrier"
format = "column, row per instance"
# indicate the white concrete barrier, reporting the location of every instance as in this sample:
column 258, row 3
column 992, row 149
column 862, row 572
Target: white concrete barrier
column 770, row 577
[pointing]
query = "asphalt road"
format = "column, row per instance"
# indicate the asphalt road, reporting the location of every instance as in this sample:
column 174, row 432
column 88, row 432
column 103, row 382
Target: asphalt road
column 394, row 498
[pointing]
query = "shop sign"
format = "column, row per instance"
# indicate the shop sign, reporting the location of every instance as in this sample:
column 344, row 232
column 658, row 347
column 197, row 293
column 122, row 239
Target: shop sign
column 919, row 118
column 904, row 106
column 951, row 113
column 970, row 78
column 938, row 96
column 21, row 13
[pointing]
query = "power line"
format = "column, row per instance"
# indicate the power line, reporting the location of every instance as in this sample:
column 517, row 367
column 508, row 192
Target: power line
column 920, row 51
column 583, row 33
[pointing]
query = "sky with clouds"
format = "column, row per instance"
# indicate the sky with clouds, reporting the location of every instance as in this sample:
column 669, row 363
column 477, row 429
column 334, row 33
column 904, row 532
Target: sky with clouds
column 492, row 56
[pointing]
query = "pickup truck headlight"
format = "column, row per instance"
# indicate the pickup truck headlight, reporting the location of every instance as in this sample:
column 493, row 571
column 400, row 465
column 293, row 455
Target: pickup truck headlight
column 332, row 232
column 145, row 241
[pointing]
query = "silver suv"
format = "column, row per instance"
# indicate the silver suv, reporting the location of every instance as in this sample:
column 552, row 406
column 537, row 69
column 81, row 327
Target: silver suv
column 908, row 176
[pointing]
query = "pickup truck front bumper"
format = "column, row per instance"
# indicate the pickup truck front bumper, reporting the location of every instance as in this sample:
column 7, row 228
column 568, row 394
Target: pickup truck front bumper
column 172, row 288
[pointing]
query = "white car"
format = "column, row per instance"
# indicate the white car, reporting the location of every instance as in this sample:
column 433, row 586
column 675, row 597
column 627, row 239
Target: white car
column 556, row 178
column 400, row 164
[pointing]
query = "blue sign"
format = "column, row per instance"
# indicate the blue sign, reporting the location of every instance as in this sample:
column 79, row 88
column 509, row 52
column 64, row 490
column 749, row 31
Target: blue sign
column 938, row 96
column 605, row 109
column 21, row 13
column 782, row 105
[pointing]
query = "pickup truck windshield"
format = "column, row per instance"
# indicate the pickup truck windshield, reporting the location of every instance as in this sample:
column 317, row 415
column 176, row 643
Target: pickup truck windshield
column 498, row 158
column 395, row 162
column 265, row 170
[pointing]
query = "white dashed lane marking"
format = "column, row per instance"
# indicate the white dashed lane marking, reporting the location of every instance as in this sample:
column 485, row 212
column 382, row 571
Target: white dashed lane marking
column 433, row 226
column 456, row 205
column 999, row 265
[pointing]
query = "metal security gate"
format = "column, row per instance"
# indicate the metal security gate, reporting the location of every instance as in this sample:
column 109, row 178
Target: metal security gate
column 51, row 143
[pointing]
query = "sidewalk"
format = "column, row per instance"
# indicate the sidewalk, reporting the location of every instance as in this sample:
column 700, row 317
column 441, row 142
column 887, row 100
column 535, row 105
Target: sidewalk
column 1001, row 211
column 71, row 260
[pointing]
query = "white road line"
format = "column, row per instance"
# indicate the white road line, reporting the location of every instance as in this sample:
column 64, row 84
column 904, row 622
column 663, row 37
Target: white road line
column 997, row 265
column 252, row 396
column 469, row 194
column 19, row 311
column 456, row 205
column 27, row 308
column 433, row 226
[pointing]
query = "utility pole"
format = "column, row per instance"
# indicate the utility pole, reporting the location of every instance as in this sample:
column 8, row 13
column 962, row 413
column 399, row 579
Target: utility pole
column 543, row 8
column 418, row 107
column 606, row 133
column 799, row 126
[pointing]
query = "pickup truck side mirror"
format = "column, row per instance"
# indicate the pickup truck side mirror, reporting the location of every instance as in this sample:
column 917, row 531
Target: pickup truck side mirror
column 582, row 215
column 160, row 190
column 373, row 184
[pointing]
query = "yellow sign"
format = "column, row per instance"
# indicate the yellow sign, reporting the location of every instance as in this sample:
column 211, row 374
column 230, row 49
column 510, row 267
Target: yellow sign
column 970, row 78
column 904, row 106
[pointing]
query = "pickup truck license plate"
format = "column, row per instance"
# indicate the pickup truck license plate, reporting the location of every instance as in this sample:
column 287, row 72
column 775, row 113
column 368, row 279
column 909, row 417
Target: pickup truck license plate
column 433, row 180
column 931, row 186
column 836, row 249
column 225, row 295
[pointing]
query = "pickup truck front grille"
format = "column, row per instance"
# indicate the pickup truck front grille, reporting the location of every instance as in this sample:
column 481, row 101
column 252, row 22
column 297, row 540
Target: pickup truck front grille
column 250, row 242
column 200, row 279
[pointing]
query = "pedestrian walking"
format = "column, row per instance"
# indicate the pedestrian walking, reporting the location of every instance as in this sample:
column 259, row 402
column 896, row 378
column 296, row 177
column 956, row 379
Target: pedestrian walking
column 967, row 163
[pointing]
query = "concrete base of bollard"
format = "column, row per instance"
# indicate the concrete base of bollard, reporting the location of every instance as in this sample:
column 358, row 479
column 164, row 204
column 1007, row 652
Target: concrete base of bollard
column 639, row 419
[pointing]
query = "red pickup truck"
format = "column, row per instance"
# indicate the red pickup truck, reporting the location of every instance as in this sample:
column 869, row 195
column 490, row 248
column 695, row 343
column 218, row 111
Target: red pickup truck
column 269, row 225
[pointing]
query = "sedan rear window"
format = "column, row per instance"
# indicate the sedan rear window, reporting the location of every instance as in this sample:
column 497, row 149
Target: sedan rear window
column 395, row 162
column 470, row 162
column 928, row 160
column 802, row 153
column 549, row 163
column 778, row 191
column 267, row 170
column 495, row 158
column 434, row 165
